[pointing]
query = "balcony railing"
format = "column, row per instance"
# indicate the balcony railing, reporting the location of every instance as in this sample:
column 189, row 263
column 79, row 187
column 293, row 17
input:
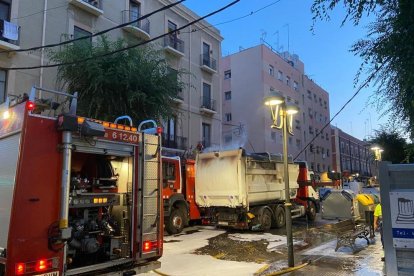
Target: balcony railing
column 91, row 6
column 175, row 142
column 175, row 43
column 96, row 3
column 9, row 35
column 143, row 24
column 208, row 103
column 208, row 61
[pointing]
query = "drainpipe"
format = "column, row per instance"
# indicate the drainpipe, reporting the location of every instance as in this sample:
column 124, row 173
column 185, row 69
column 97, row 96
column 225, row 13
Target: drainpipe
column 42, row 54
column 189, row 90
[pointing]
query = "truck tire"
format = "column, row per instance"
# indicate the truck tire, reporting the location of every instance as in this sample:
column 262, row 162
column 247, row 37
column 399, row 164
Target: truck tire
column 280, row 217
column 266, row 219
column 175, row 222
column 311, row 211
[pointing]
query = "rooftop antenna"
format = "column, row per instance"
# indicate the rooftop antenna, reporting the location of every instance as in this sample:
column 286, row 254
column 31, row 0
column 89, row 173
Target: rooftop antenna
column 263, row 35
column 288, row 34
column 277, row 40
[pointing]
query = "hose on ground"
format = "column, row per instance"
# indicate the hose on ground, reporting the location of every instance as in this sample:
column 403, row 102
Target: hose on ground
column 284, row 271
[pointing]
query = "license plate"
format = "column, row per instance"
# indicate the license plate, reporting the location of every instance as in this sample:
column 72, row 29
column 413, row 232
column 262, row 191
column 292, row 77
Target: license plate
column 54, row 273
column 223, row 223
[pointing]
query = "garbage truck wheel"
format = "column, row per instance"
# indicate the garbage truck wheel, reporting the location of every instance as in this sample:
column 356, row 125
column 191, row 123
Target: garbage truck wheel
column 266, row 219
column 280, row 217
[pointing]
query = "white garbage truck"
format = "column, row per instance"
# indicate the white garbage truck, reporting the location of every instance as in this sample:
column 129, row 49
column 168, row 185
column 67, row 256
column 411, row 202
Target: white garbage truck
column 246, row 190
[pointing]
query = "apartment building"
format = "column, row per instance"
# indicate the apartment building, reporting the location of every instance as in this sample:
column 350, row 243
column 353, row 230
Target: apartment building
column 195, row 49
column 248, row 76
column 350, row 155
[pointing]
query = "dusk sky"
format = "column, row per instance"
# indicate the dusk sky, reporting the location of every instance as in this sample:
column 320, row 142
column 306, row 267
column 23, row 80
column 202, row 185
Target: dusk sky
column 325, row 53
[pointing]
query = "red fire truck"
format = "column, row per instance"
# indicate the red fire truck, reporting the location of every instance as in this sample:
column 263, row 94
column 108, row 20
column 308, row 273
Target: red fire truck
column 179, row 193
column 78, row 196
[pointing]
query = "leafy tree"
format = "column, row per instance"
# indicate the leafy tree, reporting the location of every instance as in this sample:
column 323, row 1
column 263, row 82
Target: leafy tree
column 387, row 51
column 395, row 147
column 135, row 82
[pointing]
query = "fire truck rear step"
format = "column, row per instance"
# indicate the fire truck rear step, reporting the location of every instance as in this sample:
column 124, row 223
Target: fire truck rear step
column 80, row 270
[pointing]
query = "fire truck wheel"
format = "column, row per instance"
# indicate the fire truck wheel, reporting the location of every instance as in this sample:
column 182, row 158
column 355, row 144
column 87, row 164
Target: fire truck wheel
column 311, row 212
column 280, row 218
column 266, row 219
column 175, row 222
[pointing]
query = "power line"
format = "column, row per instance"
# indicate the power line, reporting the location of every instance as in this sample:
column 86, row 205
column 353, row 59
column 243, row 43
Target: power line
column 365, row 83
column 237, row 18
column 125, row 48
column 95, row 34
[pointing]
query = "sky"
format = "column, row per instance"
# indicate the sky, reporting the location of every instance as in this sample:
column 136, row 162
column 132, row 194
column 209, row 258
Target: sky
column 286, row 25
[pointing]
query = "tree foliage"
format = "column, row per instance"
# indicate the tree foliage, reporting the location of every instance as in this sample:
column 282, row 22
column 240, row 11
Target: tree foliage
column 394, row 146
column 387, row 51
column 136, row 82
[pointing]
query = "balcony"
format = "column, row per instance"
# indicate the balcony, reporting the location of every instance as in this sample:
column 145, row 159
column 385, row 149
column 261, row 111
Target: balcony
column 9, row 36
column 140, row 29
column 91, row 6
column 174, row 142
column 208, row 105
column 174, row 45
column 208, row 63
column 179, row 98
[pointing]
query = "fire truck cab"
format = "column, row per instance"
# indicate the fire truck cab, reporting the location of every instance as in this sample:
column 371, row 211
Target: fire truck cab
column 78, row 196
column 179, row 193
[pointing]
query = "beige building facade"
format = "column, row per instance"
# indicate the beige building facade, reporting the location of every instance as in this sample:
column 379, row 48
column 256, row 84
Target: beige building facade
column 248, row 76
column 195, row 50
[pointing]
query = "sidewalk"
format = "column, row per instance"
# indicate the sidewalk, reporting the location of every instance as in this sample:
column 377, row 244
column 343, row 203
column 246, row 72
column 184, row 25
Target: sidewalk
column 365, row 261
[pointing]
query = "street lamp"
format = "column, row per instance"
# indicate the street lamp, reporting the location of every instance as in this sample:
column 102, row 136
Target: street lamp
column 282, row 116
column 377, row 152
column 377, row 157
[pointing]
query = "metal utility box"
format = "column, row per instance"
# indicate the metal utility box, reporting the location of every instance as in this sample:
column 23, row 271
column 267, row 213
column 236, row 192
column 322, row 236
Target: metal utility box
column 397, row 199
column 340, row 204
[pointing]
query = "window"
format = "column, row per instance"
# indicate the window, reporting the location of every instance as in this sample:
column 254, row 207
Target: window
column 228, row 117
column 134, row 12
column 227, row 74
column 320, row 101
column 79, row 32
column 206, row 99
column 309, row 95
column 315, row 98
column 325, row 105
column 279, row 75
column 172, row 27
column 326, row 136
column 5, row 10
column 228, row 139
column 168, row 172
column 289, row 99
column 290, row 141
column 169, row 132
column 206, row 54
column 271, row 70
column 227, row 95
column 272, row 88
column 273, row 135
column 311, row 148
column 287, row 80
column 298, row 144
column 310, row 130
column 295, row 86
column 3, row 77
column 206, row 130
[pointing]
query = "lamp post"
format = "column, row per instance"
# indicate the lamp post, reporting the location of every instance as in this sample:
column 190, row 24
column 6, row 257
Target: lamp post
column 377, row 157
column 282, row 116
